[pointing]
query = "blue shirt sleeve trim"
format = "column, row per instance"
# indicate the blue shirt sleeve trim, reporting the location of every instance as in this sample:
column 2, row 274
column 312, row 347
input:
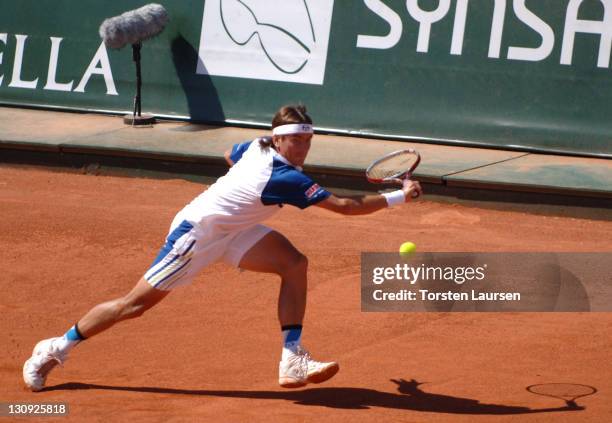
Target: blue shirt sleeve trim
column 238, row 150
column 289, row 186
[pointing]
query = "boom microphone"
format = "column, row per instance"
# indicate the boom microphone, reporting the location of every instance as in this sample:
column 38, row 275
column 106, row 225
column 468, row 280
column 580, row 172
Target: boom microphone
column 134, row 26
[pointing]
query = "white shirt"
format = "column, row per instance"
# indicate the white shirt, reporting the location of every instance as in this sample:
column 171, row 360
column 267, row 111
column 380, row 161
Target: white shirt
column 260, row 181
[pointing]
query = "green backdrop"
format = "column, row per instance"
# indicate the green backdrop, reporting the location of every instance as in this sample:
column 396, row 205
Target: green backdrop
column 472, row 98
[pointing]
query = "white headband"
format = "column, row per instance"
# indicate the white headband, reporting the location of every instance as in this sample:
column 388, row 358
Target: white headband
column 294, row 128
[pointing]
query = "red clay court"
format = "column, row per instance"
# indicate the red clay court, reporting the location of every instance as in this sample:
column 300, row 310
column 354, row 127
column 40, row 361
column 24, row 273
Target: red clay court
column 209, row 352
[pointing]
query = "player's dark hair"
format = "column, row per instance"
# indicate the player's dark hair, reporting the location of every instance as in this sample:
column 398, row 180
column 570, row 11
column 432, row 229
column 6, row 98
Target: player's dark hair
column 291, row 114
column 287, row 115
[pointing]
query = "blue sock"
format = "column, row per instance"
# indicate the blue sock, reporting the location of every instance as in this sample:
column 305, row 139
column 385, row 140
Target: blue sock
column 74, row 335
column 69, row 340
column 292, row 335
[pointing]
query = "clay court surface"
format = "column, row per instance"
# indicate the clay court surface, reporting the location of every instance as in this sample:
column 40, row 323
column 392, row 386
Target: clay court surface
column 210, row 351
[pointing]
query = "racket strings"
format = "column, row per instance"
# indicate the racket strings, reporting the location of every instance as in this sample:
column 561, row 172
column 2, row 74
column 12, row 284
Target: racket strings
column 392, row 166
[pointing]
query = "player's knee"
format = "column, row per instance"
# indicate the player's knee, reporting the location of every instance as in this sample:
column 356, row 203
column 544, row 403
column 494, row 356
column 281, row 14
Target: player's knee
column 129, row 309
column 136, row 311
column 297, row 263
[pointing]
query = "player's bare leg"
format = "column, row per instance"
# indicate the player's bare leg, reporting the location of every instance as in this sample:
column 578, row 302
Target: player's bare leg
column 140, row 299
column 275, row 254
column 53, row 351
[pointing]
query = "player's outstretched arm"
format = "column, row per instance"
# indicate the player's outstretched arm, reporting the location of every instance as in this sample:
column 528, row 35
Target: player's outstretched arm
column 366, row 204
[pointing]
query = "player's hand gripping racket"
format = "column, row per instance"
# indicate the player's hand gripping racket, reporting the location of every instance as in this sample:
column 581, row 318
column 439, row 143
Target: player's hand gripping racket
column 394, row 168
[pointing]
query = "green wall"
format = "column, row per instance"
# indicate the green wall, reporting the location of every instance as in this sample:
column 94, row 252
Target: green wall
column 484, row 93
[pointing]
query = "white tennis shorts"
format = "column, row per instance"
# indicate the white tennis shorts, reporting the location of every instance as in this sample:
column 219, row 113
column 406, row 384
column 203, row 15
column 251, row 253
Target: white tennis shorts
column 190, row 248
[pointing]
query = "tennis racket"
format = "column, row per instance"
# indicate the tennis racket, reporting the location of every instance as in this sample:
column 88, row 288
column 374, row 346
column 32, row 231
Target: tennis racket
column 394, row 167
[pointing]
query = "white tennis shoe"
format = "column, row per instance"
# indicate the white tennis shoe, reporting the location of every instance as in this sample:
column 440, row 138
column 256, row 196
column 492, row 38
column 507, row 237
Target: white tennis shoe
column 44, row 358
column 299, row 369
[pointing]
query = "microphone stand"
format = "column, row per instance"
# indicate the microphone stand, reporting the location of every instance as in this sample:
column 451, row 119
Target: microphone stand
column 136, row 56
column 137, row 118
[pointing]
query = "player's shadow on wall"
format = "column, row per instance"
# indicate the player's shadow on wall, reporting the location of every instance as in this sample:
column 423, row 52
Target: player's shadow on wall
column 410, row 397
column 202, row 99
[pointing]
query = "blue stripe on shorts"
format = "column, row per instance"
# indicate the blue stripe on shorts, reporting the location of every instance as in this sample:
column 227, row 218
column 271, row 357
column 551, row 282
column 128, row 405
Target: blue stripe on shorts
column 169, row 277
column 178, row 232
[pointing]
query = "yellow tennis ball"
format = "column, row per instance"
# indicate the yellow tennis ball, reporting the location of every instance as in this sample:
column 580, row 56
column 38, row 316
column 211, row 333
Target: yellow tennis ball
column 407, row 248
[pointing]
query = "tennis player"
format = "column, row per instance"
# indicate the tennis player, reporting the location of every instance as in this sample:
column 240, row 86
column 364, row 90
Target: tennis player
column 223, row 223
